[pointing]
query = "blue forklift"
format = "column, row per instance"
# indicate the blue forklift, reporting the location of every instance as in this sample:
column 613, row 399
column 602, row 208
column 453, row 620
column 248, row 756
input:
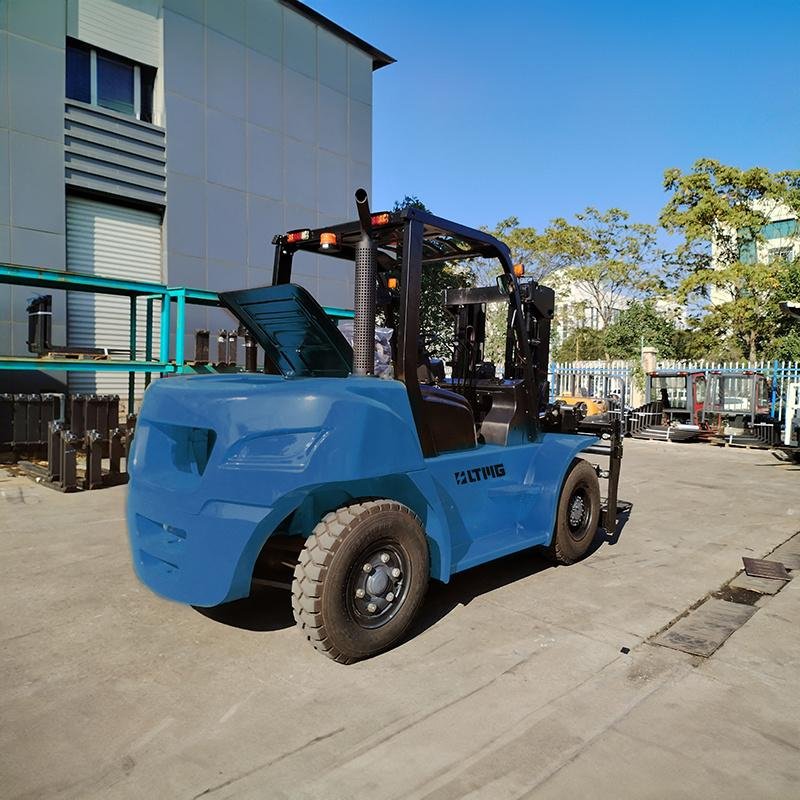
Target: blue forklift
column 353, row 489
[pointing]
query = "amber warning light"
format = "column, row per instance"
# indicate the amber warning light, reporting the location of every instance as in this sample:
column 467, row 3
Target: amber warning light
column 392, row 283
column 519, row 270
column 328, row 242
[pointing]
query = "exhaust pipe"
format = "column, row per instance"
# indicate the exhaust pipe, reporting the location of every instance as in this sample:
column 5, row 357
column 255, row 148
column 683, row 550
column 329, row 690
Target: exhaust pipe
column 364, row 300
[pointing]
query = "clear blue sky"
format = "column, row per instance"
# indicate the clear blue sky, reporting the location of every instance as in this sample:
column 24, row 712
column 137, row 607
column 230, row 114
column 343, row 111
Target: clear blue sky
column 541, row 108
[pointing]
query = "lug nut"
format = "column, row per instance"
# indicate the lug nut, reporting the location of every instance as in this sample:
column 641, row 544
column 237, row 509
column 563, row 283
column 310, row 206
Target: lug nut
column 385, row 558
column 389, row 597
column 359, row 593
column 372, row 608
column 395, row 573
column 367, row 567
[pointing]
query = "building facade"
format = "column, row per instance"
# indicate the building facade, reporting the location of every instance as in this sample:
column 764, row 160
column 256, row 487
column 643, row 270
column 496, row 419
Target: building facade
column 578, row 308
column 168, row 141
column 779, row 240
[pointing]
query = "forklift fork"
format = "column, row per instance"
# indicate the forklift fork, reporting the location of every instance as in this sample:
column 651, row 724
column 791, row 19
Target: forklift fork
column 609, row 519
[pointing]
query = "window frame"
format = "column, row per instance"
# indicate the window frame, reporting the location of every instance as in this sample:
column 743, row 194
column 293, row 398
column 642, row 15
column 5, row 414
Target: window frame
column 138, row 73
column 780, row 253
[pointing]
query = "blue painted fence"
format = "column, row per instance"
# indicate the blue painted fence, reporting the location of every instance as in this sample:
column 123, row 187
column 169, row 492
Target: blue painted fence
column 601, row 378
column 592, row 379
column 779, row 373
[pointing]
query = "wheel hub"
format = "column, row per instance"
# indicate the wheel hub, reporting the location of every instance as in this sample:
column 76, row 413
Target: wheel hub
column 378, row 581
column 377, row 588
column 577, row 509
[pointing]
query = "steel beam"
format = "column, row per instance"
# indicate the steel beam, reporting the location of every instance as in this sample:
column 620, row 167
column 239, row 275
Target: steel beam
column 58, row 279
column 85, row 365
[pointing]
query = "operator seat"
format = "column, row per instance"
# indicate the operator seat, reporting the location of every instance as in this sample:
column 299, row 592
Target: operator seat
column 449, row 419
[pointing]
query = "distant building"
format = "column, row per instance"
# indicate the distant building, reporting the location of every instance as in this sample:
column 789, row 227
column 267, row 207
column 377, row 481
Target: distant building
column 781, row 242
column 168, row 141
column 578, row 308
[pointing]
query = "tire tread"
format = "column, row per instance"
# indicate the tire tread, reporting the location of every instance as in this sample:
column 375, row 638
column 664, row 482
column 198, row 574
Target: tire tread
column 556, row 551
column 312, row 566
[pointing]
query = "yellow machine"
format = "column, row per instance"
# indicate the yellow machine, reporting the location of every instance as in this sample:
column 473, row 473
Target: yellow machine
column 594, row 405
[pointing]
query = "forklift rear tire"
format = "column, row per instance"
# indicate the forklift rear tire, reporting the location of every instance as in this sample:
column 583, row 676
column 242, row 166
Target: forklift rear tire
column 360, row 579
column 578, row 514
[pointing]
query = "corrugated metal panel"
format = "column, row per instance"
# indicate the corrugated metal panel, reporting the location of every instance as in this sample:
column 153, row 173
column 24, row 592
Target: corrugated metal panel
column 110, row 152
column 114, row 242
column 131, row 28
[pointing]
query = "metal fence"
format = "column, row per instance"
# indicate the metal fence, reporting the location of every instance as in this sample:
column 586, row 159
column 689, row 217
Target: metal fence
column 779, row 373
column 592, row 379
column 602, row 378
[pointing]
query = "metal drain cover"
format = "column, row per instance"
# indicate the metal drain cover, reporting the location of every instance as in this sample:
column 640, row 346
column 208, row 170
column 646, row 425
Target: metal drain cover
column 760, row 568
column 703, row 630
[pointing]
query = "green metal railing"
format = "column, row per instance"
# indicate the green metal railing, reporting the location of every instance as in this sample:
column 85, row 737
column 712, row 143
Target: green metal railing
column 36, row 277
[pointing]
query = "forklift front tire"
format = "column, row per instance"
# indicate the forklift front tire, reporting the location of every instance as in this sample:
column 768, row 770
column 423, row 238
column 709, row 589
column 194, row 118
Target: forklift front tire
column 360, row 579
column 578, row 514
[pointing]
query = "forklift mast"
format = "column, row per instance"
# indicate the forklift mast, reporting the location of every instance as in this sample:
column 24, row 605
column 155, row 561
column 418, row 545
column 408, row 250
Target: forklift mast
column 473, row 406
column 538, row 308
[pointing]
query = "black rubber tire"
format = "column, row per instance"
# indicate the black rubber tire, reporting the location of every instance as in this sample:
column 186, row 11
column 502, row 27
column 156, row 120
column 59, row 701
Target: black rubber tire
column 568, row 545
column 322, row 573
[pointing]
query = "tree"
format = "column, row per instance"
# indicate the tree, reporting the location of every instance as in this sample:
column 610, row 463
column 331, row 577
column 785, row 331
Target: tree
column 746, row 312
column 700, row 342
column 613, row 260
column 787, row 346
column 543, row 255
column 581, row 344
column 601, row 260
column 641, row 324
column 786, row 343
column 435, row 321
column 557, row 247
column 719, row 210
column 720, row 213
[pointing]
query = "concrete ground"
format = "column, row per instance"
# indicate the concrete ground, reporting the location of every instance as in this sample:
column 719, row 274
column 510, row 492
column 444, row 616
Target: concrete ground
column 512, row 685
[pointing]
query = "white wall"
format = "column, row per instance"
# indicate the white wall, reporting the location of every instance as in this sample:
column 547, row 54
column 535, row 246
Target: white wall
column 32, row 34
column 268, row 121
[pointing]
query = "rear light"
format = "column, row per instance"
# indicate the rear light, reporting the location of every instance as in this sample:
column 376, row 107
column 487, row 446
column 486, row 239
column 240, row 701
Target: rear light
column 380, row 219
column 298, row 236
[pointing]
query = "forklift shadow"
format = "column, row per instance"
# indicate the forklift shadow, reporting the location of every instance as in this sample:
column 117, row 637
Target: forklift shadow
column 465, row 586
column 786, row 464
column 270, row 609
column 266, row 609
column 624, row 511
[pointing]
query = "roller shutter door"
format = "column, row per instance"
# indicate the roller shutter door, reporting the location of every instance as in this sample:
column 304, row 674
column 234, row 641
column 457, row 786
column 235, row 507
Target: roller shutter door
column 110, row 241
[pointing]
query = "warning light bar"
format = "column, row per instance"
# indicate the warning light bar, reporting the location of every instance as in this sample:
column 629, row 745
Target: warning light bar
column 380, row 219
column 298, row 236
